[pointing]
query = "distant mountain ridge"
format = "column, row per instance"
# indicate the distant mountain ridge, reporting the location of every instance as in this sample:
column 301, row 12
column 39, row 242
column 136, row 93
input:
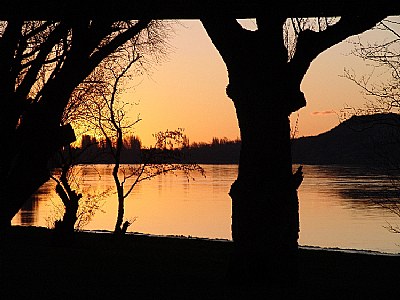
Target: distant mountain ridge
column 360, row 140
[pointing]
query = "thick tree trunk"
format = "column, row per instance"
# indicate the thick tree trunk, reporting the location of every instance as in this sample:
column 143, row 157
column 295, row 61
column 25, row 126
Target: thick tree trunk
column 265, row 218
column 265, row 88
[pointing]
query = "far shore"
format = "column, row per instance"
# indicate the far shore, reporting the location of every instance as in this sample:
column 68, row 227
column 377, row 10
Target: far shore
column 139, row 266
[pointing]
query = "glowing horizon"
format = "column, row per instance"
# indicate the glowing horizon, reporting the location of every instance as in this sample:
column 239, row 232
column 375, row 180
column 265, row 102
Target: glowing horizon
column 188, row 91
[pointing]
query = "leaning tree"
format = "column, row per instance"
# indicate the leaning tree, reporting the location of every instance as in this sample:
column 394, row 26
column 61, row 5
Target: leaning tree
column 41, row 65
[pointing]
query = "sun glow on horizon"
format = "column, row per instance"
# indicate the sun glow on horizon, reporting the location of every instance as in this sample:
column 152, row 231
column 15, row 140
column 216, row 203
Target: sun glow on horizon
column 189, row 90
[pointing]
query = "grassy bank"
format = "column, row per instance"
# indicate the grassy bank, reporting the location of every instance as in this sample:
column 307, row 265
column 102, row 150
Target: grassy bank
column 97, row 265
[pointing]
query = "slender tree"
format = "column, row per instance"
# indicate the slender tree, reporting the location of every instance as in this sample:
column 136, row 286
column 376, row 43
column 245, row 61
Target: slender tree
column 264, row 85
column 109, row 117
column 105, row 112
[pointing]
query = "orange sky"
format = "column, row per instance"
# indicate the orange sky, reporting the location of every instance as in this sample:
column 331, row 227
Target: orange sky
column 188, row 90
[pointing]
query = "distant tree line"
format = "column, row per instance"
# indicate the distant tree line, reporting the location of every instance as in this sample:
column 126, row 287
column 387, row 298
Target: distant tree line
column 219, row 151
column 92, row 150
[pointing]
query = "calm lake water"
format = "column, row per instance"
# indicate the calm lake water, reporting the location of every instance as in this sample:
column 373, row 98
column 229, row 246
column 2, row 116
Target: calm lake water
column 336, row 210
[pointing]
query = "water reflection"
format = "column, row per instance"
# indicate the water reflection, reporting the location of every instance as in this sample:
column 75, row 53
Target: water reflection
column 338, row 205
column 31, row 210
column 28, row 211
column 360, row 188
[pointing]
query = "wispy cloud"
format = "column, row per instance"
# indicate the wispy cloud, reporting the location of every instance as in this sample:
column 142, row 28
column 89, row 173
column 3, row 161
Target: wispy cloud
column 323, row 113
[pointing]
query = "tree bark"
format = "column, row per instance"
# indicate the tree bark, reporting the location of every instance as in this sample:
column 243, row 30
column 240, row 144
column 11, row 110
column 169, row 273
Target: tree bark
column 265, row 217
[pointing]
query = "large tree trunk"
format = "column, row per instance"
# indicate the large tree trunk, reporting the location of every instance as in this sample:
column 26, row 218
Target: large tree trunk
column 265, row 88
column 265, row 210
column 265, row 218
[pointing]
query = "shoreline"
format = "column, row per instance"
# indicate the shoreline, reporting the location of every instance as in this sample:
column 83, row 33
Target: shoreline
column 150, row 267
column 305, row 247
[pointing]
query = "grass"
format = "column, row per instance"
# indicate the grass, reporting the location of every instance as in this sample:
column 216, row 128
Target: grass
column 102, row 266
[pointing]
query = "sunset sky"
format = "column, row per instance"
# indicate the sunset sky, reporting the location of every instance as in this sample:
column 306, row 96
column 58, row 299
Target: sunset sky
column 188, row 90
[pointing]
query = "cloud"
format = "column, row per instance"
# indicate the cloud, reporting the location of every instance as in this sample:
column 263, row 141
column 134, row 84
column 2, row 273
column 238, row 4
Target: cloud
column 323, row 113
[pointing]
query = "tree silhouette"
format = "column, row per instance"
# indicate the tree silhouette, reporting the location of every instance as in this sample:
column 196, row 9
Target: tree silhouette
column 381, row 88
column 108, row 114
column 264, row 85
column 78, row 206
column 41, row 65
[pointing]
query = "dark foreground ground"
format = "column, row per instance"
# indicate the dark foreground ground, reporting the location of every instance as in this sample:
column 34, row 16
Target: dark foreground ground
column 99, row 266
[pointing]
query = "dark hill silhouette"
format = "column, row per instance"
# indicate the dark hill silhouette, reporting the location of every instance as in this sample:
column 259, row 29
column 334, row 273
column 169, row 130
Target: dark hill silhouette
column 360, row 140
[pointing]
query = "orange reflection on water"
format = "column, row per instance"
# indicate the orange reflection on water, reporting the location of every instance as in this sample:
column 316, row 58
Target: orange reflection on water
column 334, row 206
column 166, row 205
column 328, row 213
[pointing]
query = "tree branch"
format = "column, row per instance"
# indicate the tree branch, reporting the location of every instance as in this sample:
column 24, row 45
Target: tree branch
column 227, row 35
column 118, row 41
column 310, row 44
column 44, row 50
